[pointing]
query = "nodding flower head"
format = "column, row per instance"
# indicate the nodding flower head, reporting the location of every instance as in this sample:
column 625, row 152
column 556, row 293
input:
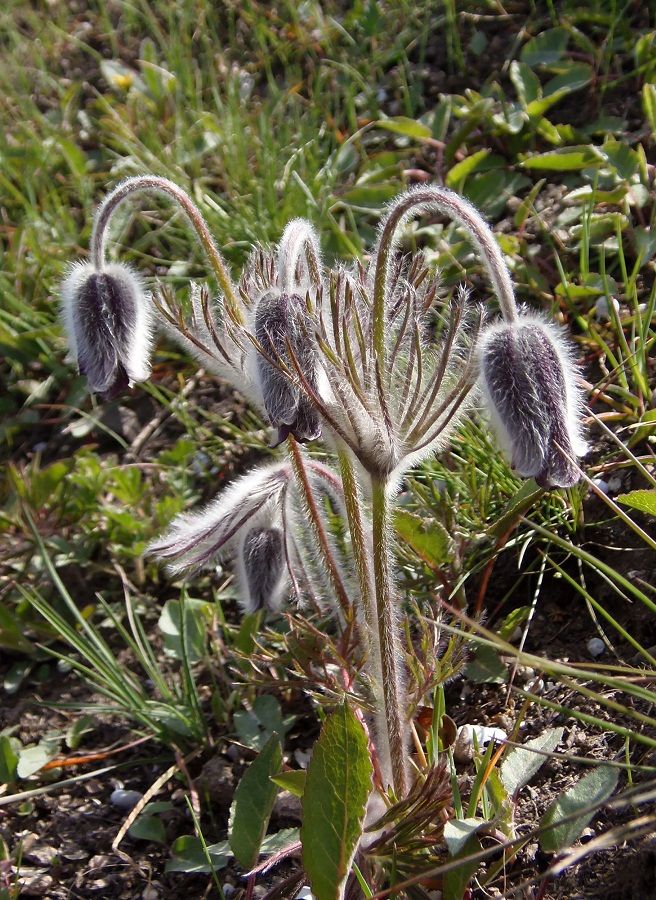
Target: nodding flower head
column 108, row 321
column 262, row 570
column 529, row 382
column 285, row 347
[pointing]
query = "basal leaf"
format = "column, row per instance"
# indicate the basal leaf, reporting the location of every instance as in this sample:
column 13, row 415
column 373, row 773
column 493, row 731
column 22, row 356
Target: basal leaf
column 405, row 126
column 294, row 782
column 429, row 540
column 565, row 159
column 545, row 48
column 337, row 788
column 643, row 500
column 594, row 788
column 254, row 799
column 522, row 763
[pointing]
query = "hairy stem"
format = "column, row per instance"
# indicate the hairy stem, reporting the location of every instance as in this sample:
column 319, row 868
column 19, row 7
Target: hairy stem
column 479, row 232
column 332, row 567
column 299, row 241
column 390, row 649
column 154, row 184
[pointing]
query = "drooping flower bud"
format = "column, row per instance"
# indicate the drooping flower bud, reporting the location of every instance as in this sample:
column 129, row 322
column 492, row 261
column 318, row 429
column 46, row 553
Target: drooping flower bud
column 529, row 381
column 108, row 322
column 262, row 567
column 285, row 344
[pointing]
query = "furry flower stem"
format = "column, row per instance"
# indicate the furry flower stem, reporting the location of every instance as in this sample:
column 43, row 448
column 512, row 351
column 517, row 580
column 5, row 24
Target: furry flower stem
column 154, row 184
column 390, row 650
column 334, row 574
column 464, row 214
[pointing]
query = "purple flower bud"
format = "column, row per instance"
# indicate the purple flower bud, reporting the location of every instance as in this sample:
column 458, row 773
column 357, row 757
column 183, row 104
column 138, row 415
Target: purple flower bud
column 529, row 381
column 262, row 564
column 108, row 322
column 279, row 331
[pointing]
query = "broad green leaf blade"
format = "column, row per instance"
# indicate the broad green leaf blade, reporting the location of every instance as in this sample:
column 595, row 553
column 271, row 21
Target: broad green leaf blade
column 188, row 855
column 8, row 760
column 294, row 782
column 565, row 159
column 644, row 501
column 337, row 788
column 458, row 831
column 464, row 168
column 545, row 48
column 405, row 126
column 522, row 763
column 254, row 799
column 594, row 788
column 429, row 540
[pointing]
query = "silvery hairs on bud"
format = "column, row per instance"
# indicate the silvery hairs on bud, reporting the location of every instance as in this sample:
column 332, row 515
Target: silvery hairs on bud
column 529, row 382
column 262, row 570
column 285, row 344
column 199, row 539
column 108, row 321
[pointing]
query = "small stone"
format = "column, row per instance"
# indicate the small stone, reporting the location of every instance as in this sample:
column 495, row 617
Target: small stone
column 602, row 311
column 126, row 800
column 615, row 484
column 304, row 894
column 601, row 484
column 595, row 647
column 41, row 854
column 149, row 893
column 35, row 883
column 463, row 749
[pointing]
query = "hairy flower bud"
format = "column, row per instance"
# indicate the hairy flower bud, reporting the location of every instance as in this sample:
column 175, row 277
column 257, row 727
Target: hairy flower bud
column 108, row 322
column 529, row 378
column 262, row 565
column 285, row 345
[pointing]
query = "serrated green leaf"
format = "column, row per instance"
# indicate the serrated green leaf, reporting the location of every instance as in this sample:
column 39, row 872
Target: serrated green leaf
column 294, row 782
column 405, row 126
column 594, row 788
column 565, row 159
column 429, row 540
column 522, row 763
column 485, row 666
column 643, row 500
column 545, row 48
column 465, row 167
column 334, row 802
column 254, row 799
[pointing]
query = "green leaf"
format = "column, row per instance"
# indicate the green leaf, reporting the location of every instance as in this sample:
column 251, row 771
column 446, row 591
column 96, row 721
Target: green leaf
column 649, row 105
column 464, row 168
column 491, row 190
column 593, row 789
column 622, row 158
column 526, row 82
column 255, row 727
column 405, row 126
column 196, row 615
column 575, row 77
column 148, row 828
column 8, row 760
column 525, row 496
column 188, row 856
column 80, row 727
column 337, row 788
column 522, row 763
column 294, row 782
column 545, row 48
column 565, row 159
column 456, row 881
column 458, row 831
column 254, row 799
column 429, row 540
column 643, row 500
column 485, row 667
column 31, row 759
column 512, row 621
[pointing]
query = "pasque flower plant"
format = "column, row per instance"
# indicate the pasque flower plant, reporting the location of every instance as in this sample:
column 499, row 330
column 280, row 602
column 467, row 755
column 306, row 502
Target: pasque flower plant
column 361, row 358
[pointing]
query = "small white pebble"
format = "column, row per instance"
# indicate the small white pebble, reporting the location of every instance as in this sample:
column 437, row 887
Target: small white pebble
column 304, row 894
column 602, row 313
column 125, row 799
column 601, row 484
column 484, row 734
column 595, row 646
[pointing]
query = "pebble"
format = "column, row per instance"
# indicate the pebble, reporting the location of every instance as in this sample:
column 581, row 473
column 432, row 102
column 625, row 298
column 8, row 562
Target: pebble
column 463, row 749
column 601, row 484
column 304, row 894
column 615, row 484
column 595, row 646
column 602, row 312
column 125, row 799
